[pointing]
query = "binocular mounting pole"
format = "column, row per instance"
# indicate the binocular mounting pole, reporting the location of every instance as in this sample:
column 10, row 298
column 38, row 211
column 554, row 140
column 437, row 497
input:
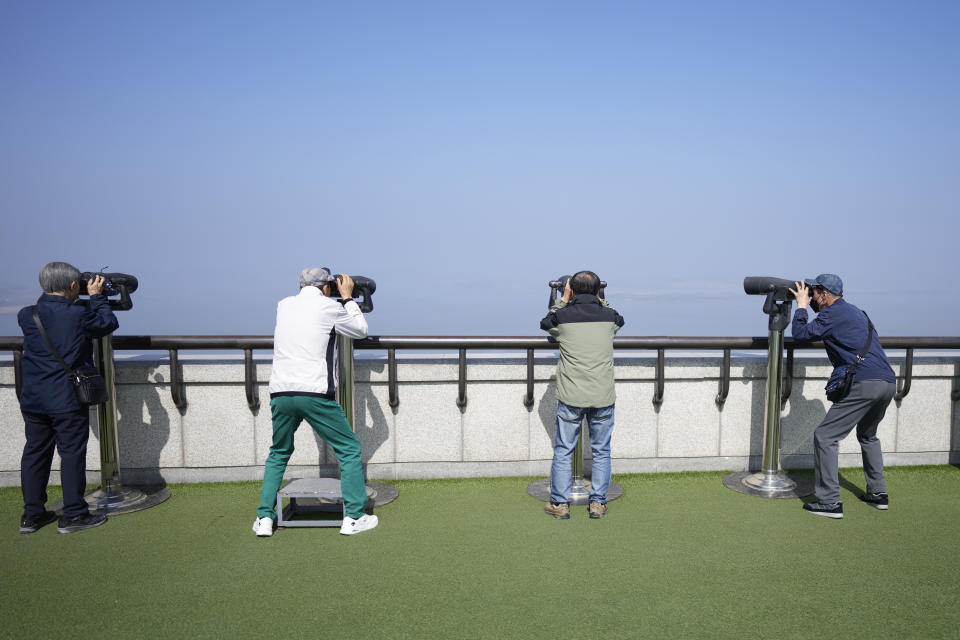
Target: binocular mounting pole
column 770, row 481
column 345, row 377
column 378, row 493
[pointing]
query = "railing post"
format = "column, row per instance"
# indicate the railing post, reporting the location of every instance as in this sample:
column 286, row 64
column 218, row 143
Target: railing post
column 394, row 398
column 659, row 382
column 18, row 371
column 250, row 380
column 788, row 380
column 907, row 378
column 724, row 378
column 176, row 381
column 462, row 380
column 528, row 398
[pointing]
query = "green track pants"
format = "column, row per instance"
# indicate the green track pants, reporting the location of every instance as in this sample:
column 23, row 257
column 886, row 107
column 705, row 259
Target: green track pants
column 327, row 419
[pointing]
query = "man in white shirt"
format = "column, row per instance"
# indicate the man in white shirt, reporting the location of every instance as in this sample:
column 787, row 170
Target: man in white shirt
column 303, row 387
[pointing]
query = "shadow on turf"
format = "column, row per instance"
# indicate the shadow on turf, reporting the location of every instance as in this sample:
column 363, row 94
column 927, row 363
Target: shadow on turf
column 844, row 483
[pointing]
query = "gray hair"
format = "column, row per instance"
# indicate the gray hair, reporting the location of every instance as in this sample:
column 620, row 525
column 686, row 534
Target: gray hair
column 56, row 277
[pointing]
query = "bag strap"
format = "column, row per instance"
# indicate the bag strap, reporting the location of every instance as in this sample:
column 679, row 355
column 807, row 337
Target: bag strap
column 43, row 334
column 866, row 347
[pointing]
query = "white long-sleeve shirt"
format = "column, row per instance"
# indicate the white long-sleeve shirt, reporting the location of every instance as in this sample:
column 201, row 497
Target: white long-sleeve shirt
column 303, row 342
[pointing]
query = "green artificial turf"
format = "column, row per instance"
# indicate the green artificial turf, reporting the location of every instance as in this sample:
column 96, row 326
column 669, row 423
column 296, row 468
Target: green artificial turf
column 678, row 556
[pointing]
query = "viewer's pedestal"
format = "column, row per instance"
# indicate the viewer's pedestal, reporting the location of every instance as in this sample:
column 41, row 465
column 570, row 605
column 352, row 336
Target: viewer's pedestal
column 580, row 486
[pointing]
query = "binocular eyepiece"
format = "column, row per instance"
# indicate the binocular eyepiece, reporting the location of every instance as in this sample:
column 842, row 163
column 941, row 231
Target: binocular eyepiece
column 363, row 288
column 114, row 284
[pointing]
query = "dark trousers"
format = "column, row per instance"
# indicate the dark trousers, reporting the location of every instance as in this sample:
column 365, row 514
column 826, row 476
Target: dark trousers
column 69, row 432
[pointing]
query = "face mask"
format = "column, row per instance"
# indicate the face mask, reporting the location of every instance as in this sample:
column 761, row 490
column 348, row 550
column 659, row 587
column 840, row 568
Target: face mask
column 814, row 305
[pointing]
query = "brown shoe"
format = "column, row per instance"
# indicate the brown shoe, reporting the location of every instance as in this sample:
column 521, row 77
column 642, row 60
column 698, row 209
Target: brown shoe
column 598, row 510
column 560, row 511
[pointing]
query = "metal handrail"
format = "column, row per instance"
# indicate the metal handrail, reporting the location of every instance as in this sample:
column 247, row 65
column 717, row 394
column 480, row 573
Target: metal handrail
column 162, row 343
column 172, row 344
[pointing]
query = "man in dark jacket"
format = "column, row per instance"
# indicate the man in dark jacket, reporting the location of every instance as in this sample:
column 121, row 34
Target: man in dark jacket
column 584, row 326
column 844, row 328
column 52, row 414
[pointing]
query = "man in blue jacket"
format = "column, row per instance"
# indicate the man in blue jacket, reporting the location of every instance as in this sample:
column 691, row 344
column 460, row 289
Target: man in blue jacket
column 52, row 415
column 843, row 328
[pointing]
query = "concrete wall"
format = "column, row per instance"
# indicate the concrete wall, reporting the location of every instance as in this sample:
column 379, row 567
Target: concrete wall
column 218, row 438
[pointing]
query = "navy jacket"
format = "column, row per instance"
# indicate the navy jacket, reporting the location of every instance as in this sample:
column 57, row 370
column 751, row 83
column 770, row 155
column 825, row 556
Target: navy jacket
column 70, row 327
column 843, row 329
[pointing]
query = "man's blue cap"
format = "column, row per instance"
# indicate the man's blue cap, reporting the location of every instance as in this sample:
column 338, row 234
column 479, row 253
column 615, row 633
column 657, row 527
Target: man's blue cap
column 828, row 281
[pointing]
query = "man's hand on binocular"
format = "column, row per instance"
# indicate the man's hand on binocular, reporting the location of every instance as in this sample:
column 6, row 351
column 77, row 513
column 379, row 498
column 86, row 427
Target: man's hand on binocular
column 345, row 284
column 567, row 292
column 802, row 294
column 95, row 285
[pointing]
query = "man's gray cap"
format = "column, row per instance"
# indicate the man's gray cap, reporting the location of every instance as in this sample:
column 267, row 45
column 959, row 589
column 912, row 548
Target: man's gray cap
column 828, row 281
column 315, row 277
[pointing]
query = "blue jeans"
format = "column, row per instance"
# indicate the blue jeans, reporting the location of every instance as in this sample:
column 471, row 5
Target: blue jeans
column 600, row 423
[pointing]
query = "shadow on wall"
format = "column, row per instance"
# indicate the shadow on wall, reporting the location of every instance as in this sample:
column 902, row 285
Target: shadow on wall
column 807, row 410
column 796, row 426
column 370, row 419
column 143, row 427
column 547, row 410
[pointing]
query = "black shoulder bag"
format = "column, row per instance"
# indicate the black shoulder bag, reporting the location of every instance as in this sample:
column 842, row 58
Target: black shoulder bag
column 88, row 384
column 841, row 380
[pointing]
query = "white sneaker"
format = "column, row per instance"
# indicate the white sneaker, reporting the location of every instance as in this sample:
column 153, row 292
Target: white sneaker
column 364, row 522
column 263, row 527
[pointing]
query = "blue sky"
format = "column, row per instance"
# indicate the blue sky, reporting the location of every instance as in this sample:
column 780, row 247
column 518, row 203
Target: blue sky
column 463, row 154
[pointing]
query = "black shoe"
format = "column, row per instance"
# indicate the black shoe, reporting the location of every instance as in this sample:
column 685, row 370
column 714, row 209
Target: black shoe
column 79, row 523
column 829, row 509
column 878, row 500
column 30, row 524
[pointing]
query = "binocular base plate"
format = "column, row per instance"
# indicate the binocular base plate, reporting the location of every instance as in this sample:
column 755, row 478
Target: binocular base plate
column 119, row 500
column 579, row 492
column 769, row 485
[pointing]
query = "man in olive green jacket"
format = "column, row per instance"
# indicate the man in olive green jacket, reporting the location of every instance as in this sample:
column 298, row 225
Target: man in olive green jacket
column 584, row 325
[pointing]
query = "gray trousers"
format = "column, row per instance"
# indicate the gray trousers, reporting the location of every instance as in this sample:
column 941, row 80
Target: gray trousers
column 863, row 408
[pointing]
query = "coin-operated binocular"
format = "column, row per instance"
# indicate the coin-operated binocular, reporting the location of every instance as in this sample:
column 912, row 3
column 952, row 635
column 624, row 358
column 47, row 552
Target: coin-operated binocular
column 363, row 288
column 113, row 496
column 770, row 481
column 114, row 284
column 557, row 286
